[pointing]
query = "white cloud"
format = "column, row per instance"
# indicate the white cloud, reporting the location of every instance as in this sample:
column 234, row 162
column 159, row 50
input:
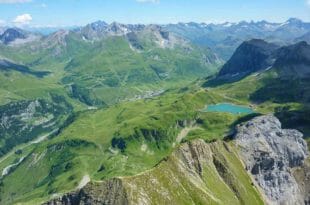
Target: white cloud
column 23, row 19
column 2, row 22
column 14, row 1
column 148, row 1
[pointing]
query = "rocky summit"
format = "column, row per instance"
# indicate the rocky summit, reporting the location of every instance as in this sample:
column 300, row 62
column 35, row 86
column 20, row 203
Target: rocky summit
column 271, row 154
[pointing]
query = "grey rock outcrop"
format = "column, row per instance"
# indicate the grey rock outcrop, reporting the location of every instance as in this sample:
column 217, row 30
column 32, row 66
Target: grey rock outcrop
column 108, row 192
column 271, row 154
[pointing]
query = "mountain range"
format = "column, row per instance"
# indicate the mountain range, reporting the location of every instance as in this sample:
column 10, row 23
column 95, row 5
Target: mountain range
column 222, row 38
column 225, row 38
column 121, row 114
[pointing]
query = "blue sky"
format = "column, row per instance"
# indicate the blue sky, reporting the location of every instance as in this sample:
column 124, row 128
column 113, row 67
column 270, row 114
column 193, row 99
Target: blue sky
column 80, row 12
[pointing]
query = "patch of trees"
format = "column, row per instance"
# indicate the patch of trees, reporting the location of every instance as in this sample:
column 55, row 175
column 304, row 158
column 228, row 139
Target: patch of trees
column 119, row 143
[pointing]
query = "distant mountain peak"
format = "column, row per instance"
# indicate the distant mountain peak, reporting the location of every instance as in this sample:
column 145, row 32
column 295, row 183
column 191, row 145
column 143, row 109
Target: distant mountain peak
column 16, row 36
column 99, row 25
column 60, row 34
column 294, row 20
column 11, row 34
column 250, row 56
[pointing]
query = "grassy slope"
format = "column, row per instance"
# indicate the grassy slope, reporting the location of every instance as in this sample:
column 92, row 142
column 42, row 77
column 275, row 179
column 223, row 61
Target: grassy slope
column 85, row 146
column 16, row 86
column 113, row 71
column 108, row 70
column 229, row 184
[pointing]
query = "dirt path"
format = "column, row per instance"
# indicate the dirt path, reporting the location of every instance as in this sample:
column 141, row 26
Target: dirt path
column 184, row 132
column 83, row 182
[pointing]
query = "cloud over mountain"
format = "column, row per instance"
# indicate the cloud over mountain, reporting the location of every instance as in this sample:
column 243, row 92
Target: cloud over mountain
column 23, row 19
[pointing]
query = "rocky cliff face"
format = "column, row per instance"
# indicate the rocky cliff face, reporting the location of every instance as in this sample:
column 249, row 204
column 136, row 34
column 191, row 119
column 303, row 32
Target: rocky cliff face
column 271, row 154
column 108, row 192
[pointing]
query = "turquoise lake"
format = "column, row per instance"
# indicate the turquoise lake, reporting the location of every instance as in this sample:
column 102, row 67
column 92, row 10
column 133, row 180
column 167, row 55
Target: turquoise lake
column 229, row 108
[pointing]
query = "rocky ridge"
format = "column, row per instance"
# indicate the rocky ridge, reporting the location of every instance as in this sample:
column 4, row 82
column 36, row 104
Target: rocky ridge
column 196, row 173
